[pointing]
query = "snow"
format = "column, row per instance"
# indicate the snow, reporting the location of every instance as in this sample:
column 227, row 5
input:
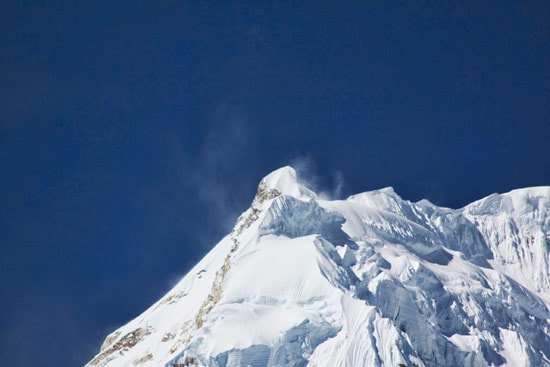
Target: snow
column 285, row 181
column 373, row 280
column 285, row 272
column 514, row 349
column 366, row 339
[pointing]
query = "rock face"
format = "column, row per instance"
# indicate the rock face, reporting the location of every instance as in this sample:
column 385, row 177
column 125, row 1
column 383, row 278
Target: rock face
column 373, row 280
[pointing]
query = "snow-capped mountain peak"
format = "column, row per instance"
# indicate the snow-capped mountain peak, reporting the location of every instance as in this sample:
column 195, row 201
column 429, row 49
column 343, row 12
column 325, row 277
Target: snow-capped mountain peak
column 284, row 181
column 373, row 280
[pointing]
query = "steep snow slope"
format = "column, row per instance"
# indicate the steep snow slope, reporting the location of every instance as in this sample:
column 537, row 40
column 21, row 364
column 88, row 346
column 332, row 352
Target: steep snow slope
column 373, row 280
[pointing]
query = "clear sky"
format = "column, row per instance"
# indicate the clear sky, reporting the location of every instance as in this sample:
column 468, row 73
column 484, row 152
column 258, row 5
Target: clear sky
column 132, row 136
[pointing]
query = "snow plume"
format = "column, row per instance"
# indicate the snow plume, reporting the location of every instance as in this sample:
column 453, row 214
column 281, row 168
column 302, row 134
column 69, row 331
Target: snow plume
column 339, row 185
column 221, row 155
column 307, row 175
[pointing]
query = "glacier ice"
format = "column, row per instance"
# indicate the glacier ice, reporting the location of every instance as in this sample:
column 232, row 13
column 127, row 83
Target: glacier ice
column 373, row 280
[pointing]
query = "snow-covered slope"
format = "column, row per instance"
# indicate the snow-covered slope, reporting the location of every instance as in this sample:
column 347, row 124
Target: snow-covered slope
column 373, row 280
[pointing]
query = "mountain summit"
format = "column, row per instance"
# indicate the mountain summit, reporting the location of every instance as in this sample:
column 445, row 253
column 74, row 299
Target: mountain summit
column 373, row 280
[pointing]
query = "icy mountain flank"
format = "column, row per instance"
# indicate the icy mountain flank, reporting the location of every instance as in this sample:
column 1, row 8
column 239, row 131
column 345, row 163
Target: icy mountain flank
column 373, row 280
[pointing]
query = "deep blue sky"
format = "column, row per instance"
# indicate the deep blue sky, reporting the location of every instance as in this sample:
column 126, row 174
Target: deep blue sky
column 131, row 136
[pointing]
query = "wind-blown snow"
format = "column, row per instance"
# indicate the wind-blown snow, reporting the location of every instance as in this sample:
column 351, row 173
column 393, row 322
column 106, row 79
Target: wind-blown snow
column 373, row 280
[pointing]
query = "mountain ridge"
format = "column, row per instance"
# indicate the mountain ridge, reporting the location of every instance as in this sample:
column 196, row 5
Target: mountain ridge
column 372, row 280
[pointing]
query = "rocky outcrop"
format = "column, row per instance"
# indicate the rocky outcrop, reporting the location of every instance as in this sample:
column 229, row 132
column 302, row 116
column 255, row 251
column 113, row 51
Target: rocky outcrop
column 124, row 344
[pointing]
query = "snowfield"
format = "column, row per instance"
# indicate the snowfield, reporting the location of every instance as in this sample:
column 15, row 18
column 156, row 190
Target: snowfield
column 373, row 280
